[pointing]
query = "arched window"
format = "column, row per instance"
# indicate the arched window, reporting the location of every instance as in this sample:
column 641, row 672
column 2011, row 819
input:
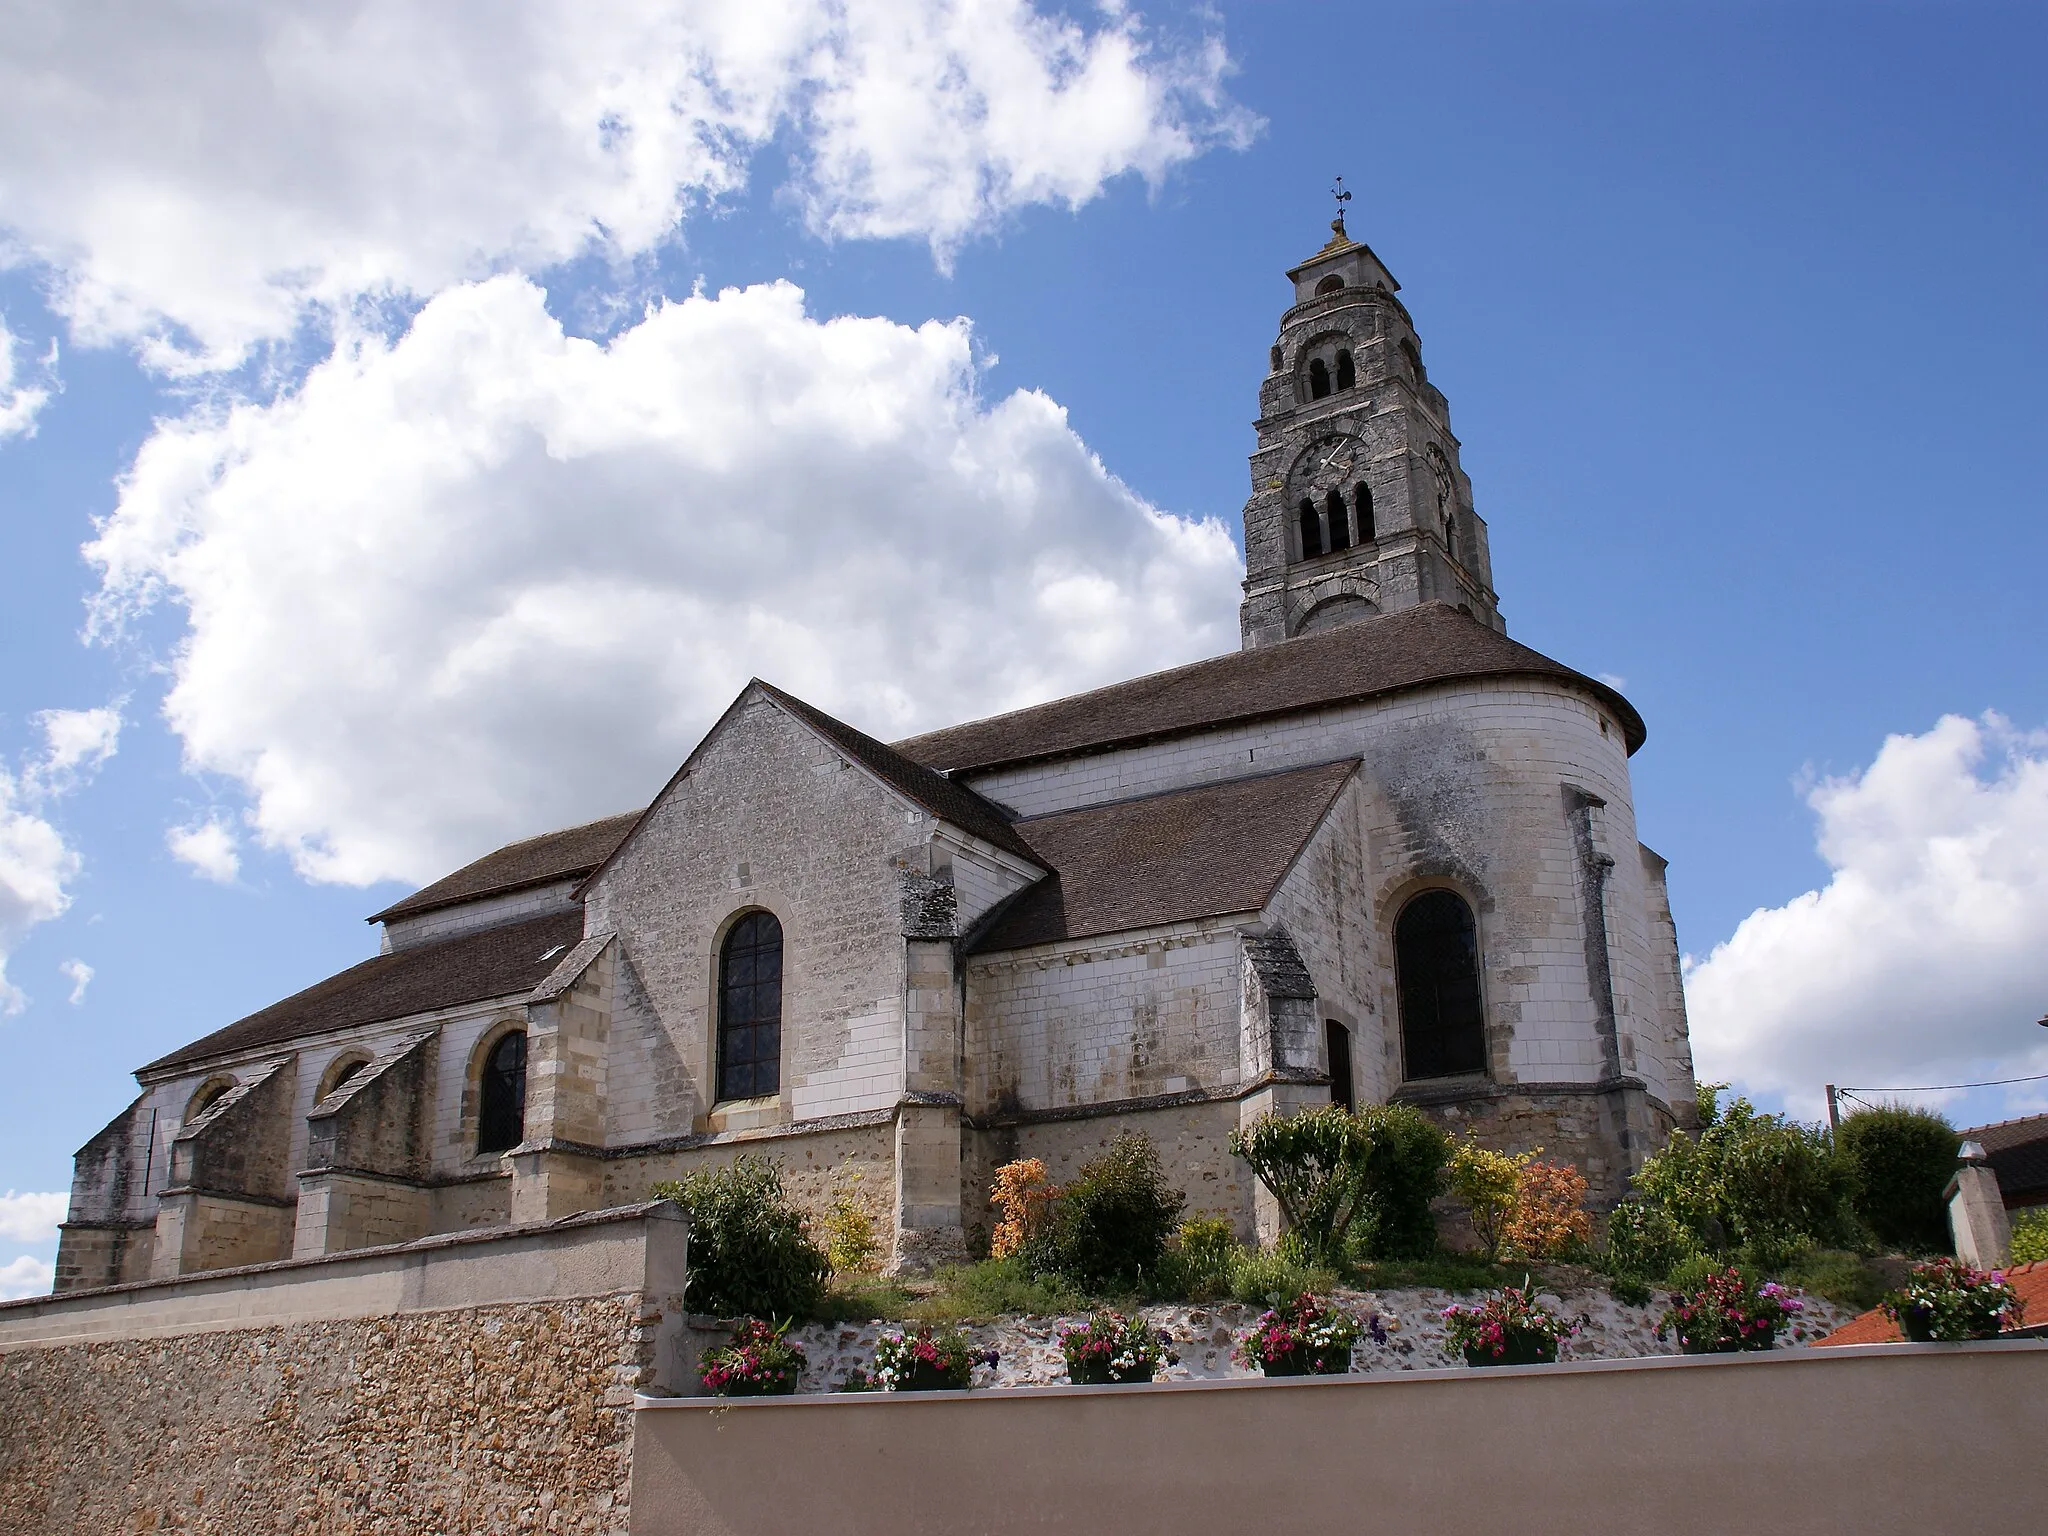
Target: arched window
column 1347, row 374
column 209, row 1094
column 1361, row 512
column 1311, row 530
column 750, row 1009
column 1340, row 522
column 1331, row 284
column 1436, row 953
column 1318, row 378
column 1414, row 356
column 1337, row 1040
column 501, row 1099
column 340, row 1071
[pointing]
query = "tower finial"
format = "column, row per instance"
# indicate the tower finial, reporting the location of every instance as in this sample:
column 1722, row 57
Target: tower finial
column 1342, row 197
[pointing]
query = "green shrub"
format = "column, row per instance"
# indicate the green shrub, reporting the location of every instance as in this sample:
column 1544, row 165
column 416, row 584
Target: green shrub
column 1690, row 1274
column 1644, row 1240
column 1198, row 1265
column 1761, row 1183
column 1107, row 1232
column 1404, row 1172
column 2030, row 1235
column 1316, row 1163
column 1262, row 1279
column 1630, row 1290
column 1903, row 1159
column 1847, row 1279
column 751, row 1252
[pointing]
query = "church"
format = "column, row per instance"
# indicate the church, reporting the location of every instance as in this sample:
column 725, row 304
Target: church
column 1381, row 852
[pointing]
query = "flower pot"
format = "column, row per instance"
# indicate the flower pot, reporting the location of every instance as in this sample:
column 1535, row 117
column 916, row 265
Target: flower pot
column 1519, row 1349
column 1332, row 1361
column 930, row 1378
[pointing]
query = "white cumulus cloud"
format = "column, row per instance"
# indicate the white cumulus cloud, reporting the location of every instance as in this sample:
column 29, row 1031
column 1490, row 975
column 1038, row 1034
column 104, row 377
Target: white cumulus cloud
column 208, row 847
column 36, row 863
column 80, row 975
column 201, row 172
column 32, row 1217
column 492, row 578
column 20, row 400
column 26, row 1276
column 1923, row 959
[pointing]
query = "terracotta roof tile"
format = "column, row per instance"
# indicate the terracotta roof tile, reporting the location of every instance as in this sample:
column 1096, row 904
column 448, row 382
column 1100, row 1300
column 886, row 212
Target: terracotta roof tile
column 1201, row 852
column 565, row 855
column 496, row 962
column 1431, row 643
column 2029, row 1282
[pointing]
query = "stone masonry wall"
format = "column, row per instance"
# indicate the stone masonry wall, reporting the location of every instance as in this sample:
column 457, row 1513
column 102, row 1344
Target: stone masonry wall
column 482, row 1419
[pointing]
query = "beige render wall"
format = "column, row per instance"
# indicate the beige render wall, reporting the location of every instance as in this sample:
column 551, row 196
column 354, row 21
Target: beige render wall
column 1897, row 1440
column 860, row 1158
column 824, row 846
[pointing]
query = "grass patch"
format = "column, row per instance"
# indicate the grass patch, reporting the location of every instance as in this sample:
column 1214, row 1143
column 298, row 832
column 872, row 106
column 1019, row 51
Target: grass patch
column 1846, row 1279
column 1456, row 1272
column 995, row 1288
column 862, row 1298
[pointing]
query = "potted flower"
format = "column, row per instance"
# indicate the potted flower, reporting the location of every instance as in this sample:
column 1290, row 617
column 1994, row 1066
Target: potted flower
column 1510, row 1327
column 1727, row 1314
column 1113, row 1350
column 759, row 1362
column 1307, row 1337
column 1946, row 1300
column 929, row 1360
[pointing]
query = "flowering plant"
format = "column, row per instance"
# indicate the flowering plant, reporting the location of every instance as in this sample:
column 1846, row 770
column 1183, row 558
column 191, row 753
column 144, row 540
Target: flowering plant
column 1307, row 1337
column 759, row 1362
column 1510, row 1327
column 1727, row 1314
column 1115, row 1349
column 924, row 1361
column 1024, row 1196
column 1946, row 1299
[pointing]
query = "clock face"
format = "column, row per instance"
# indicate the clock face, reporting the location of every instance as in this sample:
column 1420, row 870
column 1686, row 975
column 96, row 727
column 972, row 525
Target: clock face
column 1332, row 462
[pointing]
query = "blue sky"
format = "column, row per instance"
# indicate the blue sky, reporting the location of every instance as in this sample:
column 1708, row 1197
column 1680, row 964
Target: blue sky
column 1737, row 307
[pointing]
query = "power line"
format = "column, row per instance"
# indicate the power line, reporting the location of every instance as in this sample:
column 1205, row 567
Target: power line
column 2000, row 1082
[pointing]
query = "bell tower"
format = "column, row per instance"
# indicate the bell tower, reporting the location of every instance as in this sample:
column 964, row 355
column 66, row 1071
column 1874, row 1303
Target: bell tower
column 1358, row 506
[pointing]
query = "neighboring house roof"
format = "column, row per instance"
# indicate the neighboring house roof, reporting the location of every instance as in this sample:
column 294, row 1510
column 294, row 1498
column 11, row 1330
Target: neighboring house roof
column 1428, row 644
column 946, row 800
column 566, row 855
column 496, row 962
column 2017, row 1151
column 1200, row 852
column 2029, row 1283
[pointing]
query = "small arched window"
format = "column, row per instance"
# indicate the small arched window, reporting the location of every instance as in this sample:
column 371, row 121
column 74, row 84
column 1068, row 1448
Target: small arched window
column 1340, row 522
column 1436, row 955
column 1331, row 284
column 1414, row 356
column 1337, row 1041
column 339, row 1072
column 1347, row 373
column 750, row 1009
column 209, row 1094
column 1318, row 379
column 501, row 1099
column 1311, row 530
column 1361, row 513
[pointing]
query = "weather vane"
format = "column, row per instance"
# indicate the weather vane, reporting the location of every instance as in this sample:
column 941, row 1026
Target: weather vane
column 1342, row 197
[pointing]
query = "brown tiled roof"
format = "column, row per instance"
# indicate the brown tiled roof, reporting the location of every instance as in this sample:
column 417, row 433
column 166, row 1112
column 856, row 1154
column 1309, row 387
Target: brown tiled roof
column 2029, row 1283
column 1431, row 643
column 1199, row 852
column 566, row 855
column 2017, row 1151
column 946, row 800
column 496, row 962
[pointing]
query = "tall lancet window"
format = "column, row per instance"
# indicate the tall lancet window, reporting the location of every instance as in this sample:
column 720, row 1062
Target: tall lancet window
column 1361, row 509
column 1340, row 528
column 1311, row 530
column 1318, row 379
column 501, row 1106
column 750, row 1009
column 1436, row 955
column 1347, row 372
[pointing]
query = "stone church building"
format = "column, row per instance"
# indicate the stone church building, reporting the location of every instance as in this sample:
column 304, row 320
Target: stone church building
column 1380, row 852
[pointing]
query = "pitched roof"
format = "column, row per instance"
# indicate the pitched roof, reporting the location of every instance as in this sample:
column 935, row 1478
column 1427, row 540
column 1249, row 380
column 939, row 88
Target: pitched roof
column 566, row 855
column 941, row 796
column 2017, row 1151
column 2029, row 1283
column 1201, row 852
column 495, row 962
column 1431, row 643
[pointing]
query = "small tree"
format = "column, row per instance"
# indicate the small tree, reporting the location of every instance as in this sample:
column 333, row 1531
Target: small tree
column 1549, row 1219
column 1903, row 1159
column 1404, row 1172
column 1023, row 1196
column 1486, row 1181
column 1107, row 1231
column 751, row 1252
column 1316, row 1163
